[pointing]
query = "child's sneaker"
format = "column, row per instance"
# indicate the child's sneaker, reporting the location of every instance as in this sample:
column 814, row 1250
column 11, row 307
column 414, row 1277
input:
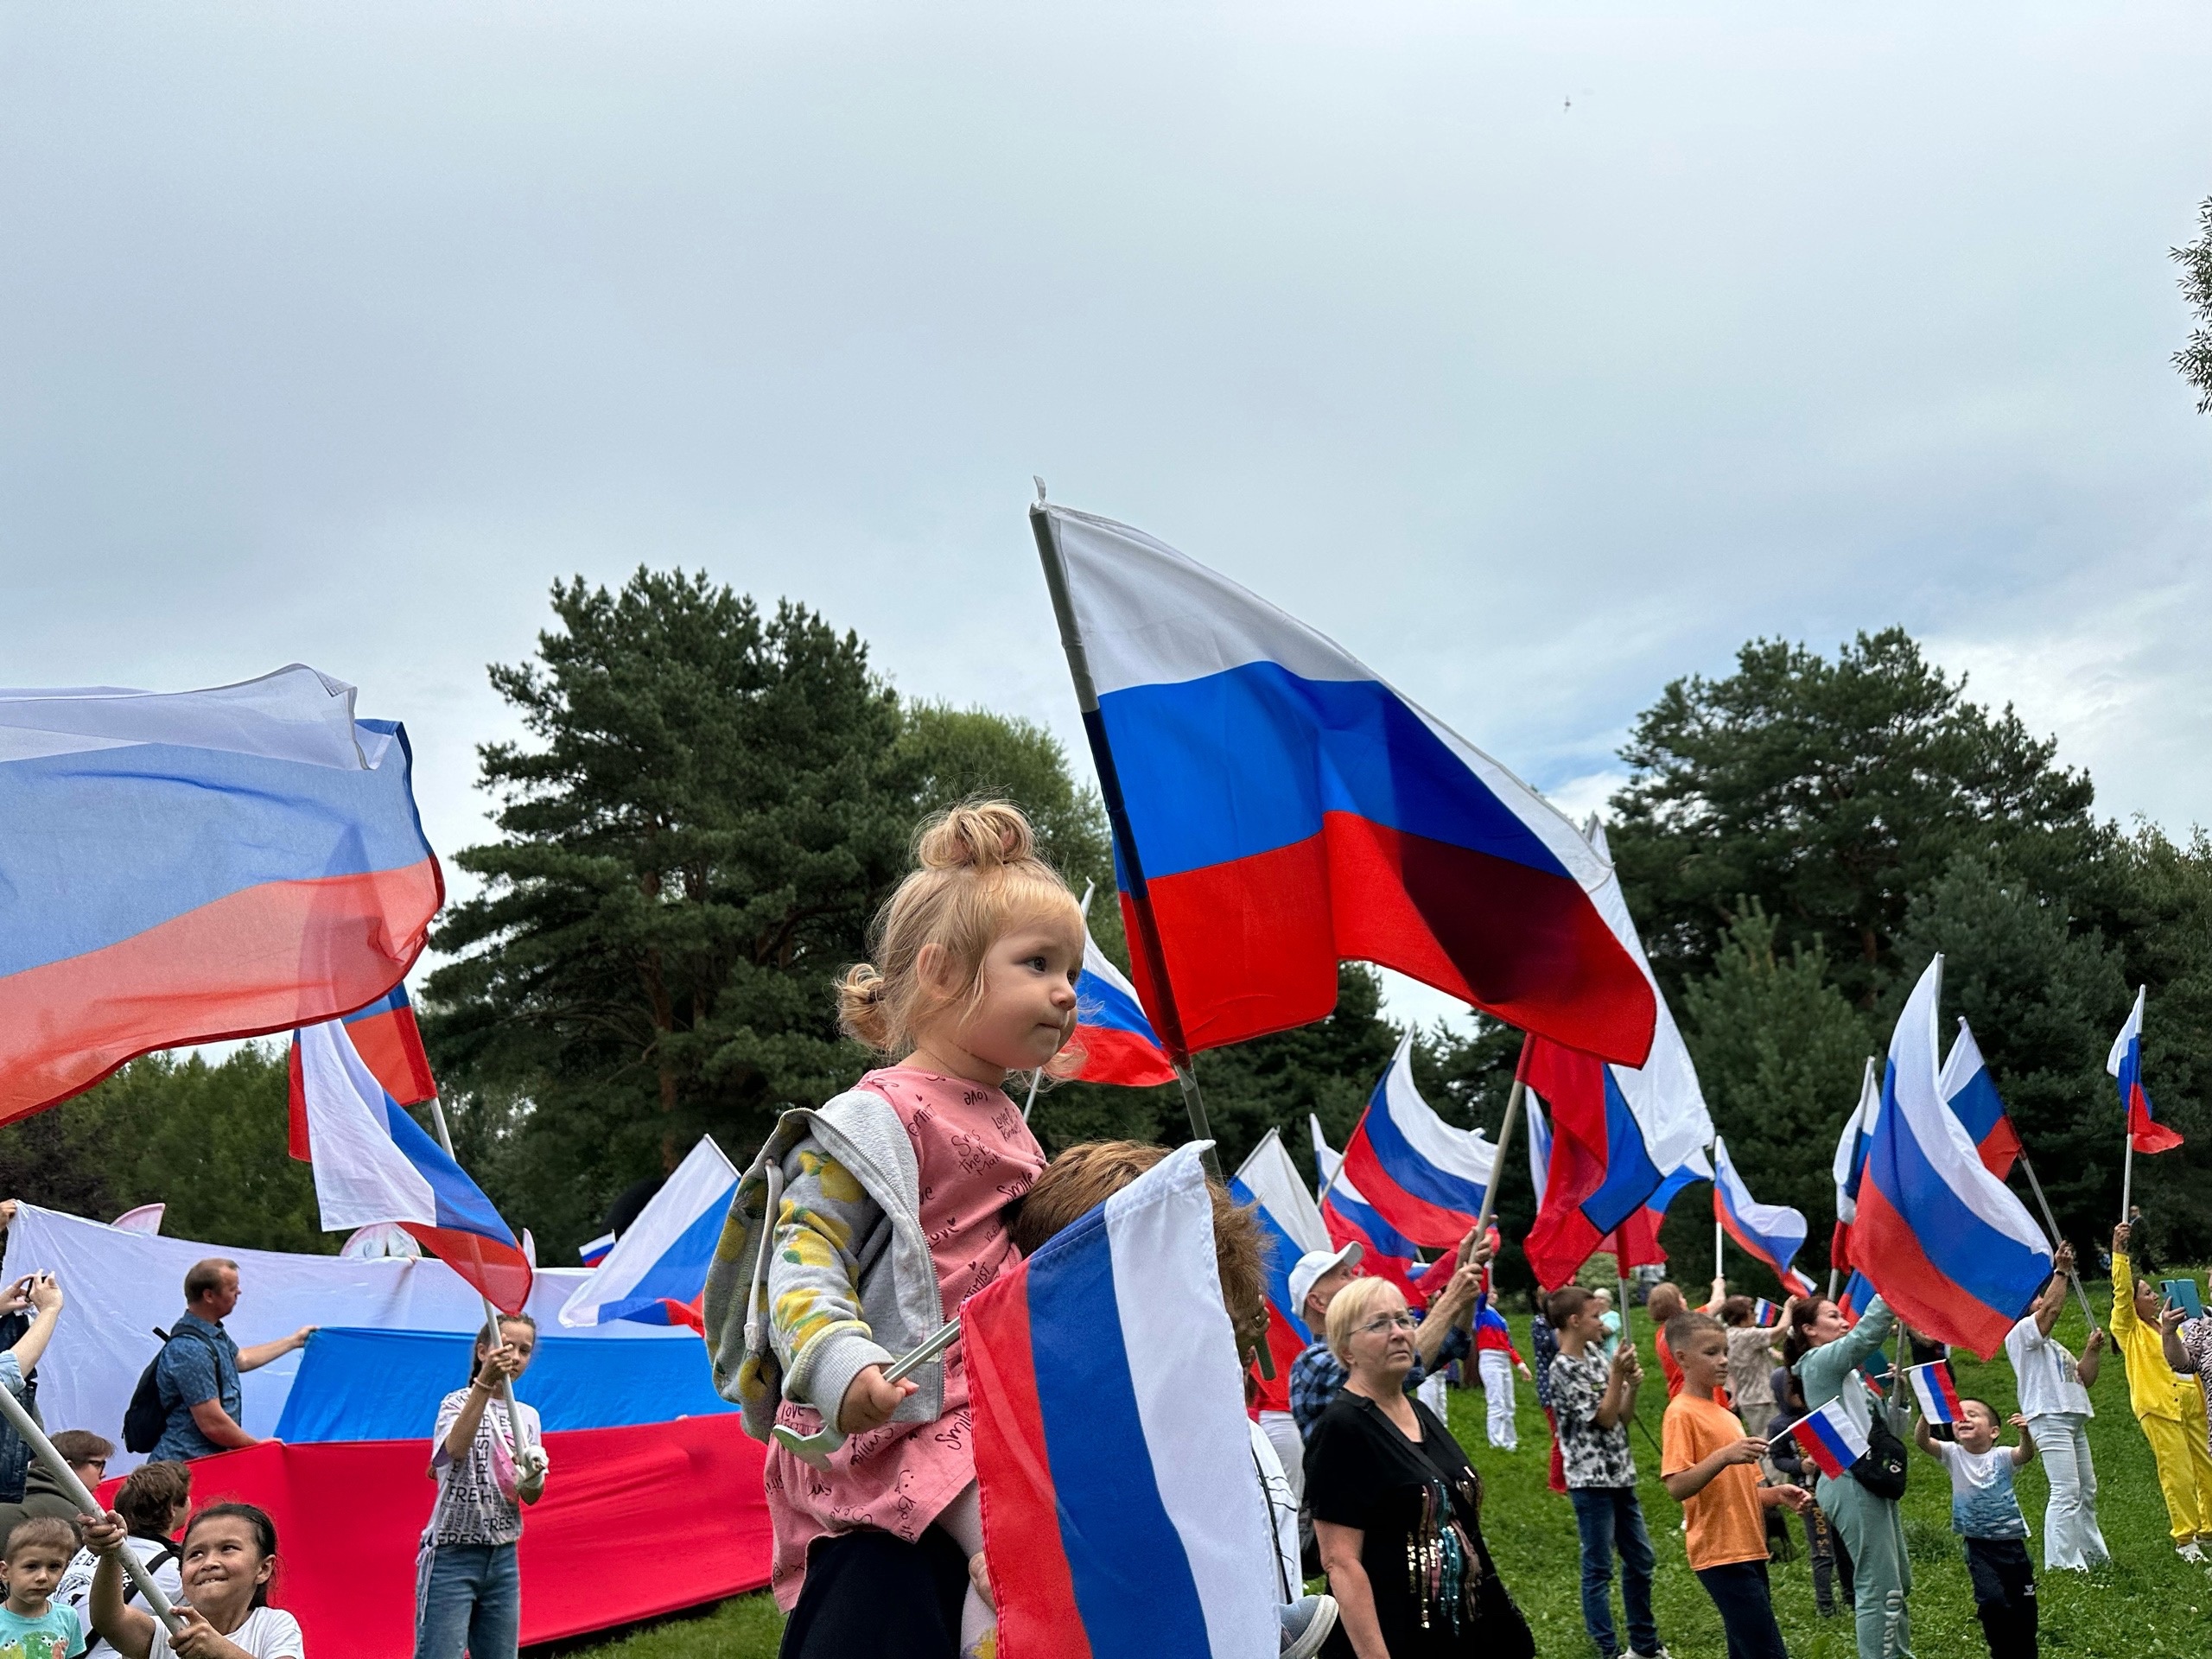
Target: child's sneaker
column 1306, row 1624
column 2191, row 1551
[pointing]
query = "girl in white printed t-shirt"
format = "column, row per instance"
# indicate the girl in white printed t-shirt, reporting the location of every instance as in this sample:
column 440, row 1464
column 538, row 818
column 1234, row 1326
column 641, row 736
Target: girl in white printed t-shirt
column 230, row 1556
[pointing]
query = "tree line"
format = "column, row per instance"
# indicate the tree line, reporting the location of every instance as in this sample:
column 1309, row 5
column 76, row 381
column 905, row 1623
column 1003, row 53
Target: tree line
column 713, row 798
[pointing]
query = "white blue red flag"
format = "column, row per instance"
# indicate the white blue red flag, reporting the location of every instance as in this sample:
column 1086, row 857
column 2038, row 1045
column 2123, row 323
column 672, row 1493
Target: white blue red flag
column 1772, row 1232
column 1540, row 1144
column 1855, row 1298
column 1122, row 1512
column 1935, row 1389
column 373, row 1163
column 1830, row 1438
column 1278, row 809
column 1326, row 1159
column 595, row 1252
column 1765, row 1312
column 1426, row 1178
column 188, row 867
column 1849, row 1166
column 1290, row 1224
column 1618, row 1131
column 1386, row 1253
column 656, row 1272
column 390, row 1042
column 1972, row 1099
column 2125, row 1065
column 1117, row 1042
column 1944, row 1241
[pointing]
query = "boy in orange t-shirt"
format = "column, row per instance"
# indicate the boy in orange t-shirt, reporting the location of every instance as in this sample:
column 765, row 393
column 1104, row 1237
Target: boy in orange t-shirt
column 1711, row 1468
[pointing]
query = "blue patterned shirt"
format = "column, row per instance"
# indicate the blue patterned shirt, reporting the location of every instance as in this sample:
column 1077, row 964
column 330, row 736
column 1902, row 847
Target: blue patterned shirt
column 1317, row 1376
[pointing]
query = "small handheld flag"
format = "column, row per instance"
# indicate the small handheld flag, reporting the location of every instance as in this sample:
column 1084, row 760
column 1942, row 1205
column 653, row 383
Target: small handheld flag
column 595, row 1252
column 2125, row 1065
column 1830, row 1438
column 1764, row 1313
column 1117, row 1042
column 1937, row 1391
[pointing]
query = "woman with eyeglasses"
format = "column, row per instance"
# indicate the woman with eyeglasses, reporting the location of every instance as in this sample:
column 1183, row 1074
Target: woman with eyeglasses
column 1396, row 1506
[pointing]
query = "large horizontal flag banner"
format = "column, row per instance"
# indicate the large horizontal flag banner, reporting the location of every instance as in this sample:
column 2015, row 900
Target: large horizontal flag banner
column 1849, row 1166
column 1971, row 1096
column 189, row 867
column 373, row 1163
column 1772, row 1232
column 1277, row 808
column 2125, row 1066
column 1117, row 1042
column 1426, row 1178
column 390, row 1042
column 1830, row 1438
column 1111, row 1446
column 1618, row 1131
column 1935, row 1389
column 1290, row 1225
column 657, row 1271
column 1945, row 1242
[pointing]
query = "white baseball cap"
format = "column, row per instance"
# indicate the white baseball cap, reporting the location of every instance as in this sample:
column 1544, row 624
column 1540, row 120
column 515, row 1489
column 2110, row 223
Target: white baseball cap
column 1311, row 1265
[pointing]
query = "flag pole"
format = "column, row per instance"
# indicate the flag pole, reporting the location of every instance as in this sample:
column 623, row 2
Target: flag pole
column 75, row 1489
column 2027, row 1165
column 2127, row 1177
column 1169, row 1018
column 491, row 1313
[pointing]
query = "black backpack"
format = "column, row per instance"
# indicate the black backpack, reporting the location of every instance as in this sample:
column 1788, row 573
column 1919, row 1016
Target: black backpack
column 145, row 1417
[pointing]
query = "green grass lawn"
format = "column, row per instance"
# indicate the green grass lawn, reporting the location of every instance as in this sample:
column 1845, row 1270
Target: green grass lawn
column 2147, row 1602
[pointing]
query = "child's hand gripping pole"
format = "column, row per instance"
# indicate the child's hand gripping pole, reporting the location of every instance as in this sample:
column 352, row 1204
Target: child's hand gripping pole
column 58, row 1466
column 818, row 1447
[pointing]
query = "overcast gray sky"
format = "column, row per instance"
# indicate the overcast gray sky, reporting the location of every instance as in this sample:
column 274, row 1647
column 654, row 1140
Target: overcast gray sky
column 1538, row 353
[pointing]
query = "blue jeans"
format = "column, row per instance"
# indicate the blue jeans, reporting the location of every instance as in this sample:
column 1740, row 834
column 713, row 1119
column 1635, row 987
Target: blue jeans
column 467, row 1596
column 1609, row 1519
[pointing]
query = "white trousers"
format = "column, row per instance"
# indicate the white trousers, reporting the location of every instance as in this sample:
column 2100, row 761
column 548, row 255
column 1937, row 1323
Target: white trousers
column 1281, row 1430
column 2071, row 1537
column 1496, row 1368
column 1434, row 1392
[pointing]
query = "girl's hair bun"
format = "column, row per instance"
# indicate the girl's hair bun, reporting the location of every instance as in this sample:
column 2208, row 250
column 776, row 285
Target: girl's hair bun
column 981, row 836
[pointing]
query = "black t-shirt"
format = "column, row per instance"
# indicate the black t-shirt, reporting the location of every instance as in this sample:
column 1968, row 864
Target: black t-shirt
column 1403, row 1496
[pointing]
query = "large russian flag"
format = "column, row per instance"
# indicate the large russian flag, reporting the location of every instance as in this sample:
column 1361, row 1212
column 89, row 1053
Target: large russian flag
column 1117, row 1042
column 1291, row 1224
column 1277, row 808
column 1772, row 1232
column 656, row 1272
column 1943, row 1240
column 1424, row 1177
column 2125, row 1065
column 1618, row 1131
column 1122, row 1515
column 373, row 1163
column 390, row 1042
column 1849, row 1165
column 1385, row 1252
column 188, row 867
column 1972, row 1096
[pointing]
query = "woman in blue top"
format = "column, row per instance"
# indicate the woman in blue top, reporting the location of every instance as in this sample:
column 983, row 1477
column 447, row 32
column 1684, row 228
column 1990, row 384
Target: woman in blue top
column 1826, row 1354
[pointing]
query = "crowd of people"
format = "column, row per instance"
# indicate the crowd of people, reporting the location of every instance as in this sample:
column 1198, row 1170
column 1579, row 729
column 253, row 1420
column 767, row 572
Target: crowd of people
column 865, row 1222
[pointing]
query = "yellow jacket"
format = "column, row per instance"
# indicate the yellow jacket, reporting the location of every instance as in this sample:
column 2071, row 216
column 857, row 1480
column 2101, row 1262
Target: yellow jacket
column 2153, row 1390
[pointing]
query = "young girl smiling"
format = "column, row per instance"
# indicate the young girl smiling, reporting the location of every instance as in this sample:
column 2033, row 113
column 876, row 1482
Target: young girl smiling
column 230, row 1556
column 863, row 1225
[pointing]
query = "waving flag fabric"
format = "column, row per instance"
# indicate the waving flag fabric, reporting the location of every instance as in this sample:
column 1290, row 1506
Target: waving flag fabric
column 1830, row 1438
column 656, row 1272
column 2125, row 1065
column 1618, row 1131
column 373, row 1163
column 390, row 1042
column 183, row 868
column 1426, row 1176
column 1291, row 1224
column 1856, row 1296
column 1277, row 809
column 1972, row 1096
column 1936, row 1390
column 1540, row 1144
column 1943, row 1239
column 1118, row 1041
column 1772, row 1232
column 1122, row 1512
column 1765, row 1312
column 1386, row 1252
column 1850, row 1164
column 595, row 1252
column 1325, row 1159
